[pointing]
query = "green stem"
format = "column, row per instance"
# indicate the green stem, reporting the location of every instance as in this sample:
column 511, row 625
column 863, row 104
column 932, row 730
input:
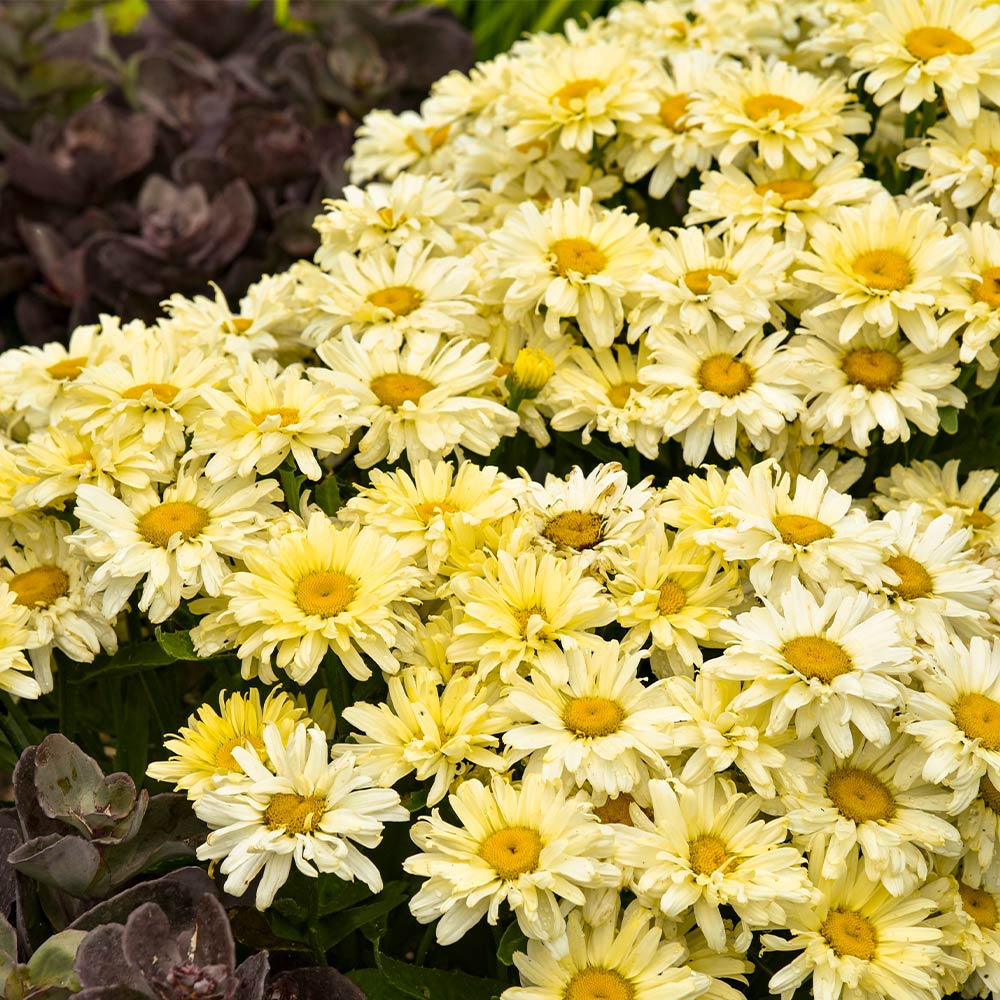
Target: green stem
column 424, row 946
column 319, row 952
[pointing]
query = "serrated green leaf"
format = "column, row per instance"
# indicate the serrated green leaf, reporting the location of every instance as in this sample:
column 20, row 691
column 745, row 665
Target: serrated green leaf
column 433, row 984
column 513, row 940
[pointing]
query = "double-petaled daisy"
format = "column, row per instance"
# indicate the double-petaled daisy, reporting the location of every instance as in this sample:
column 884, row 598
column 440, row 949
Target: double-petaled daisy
column 15, row 670
column 978, row 300
column 303, row 809
column 387, row 143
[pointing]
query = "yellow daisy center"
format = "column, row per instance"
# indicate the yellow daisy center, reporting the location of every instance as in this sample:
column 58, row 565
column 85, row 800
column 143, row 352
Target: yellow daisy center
column 859, row 795
column 990, row 795
column 575, row 90
column 699, row 280
column 288, row 414
column 914, row 580
column 980, row 905
column 816, row 657
column 987, row 289
column 398, row 299
column 294, row 813
column 619, row 395
column 224, row 759
column 929, row 42
column 158, row 525
column 849, row 933
column 616, row 810
column 325, row 593
column 425, row 511
column 992, row 156
column 599, row 984
column 39, row 587
column 882, row 270
column 512, row 852
column 872, row 369
column 573, row 253
column 979, row 718
column 523, row 616
column 593, row 716
column 387, row 217
column 761, row 105
column 725, row 375
column 673, row 597
column 68, row 368
column 575, row 529
column 708, row 854
column 163, row 391
column 788, row 188
column 238, row 324
column 979, row 519
column 437, row 136
column 800, row 529
column 79, row 458
column 533, row 146
column 672, row 112
column 395, row 388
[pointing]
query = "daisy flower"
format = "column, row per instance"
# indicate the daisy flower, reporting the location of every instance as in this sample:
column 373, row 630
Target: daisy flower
column 202, row 751
column 704, row 847
column 975, row 927
column 820, row 665
column 51, row 580
column 697, row 283
column 811, row 533
column 577, row 94
column 587, row 517
column 386, row 295
column 858, row 941
column 721, row 382
column 305, row 809
column 263, row 413
column 316, row 588
column 689, row 505
column 886, row 266
column 913, row 49
column 528, row 845
column 437, row 732
column 871, row 382
column 177, row 541
column 773, row 110
column 955, row 719
column 626, row 955
column 573, row 259
column 786, row 202
column 675, row 591
column 860, row 802
column 15, row 670
column 426, row 399
column 960, row 162
column 387, row 143
column 978, row 300
column 600, row 390
column 603, row 727
column 526, row 609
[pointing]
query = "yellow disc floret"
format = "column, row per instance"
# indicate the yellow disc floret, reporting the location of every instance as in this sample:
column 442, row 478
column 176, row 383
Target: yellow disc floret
column 929, row 42
column 979, row 718
column 914, row 580
column 294, row 813
column 593, row 716
column 725, row 375
column 158, row 525
column 882, row 270
column 816, row 657
column 800, row 529
column 512, row 851
column 850, row 933
column 325, row 593
column 575, row 529
column 395, row 388
column 599, row 984
column 873, row 369
column 398, row 299
column 576, row 255
column 39, row 587
column 860, row 795
column 708, row 854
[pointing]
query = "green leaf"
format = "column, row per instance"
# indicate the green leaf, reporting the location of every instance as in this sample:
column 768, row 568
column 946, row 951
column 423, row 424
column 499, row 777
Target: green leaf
column 176, row 644
column 290, row 486
column 328, row 495
column 374, row 985
column 336, row 928
column 433, row 984
column 949, row 419
column 513, row 940
column 52, row 963
column 136, row 656
column 335, row 894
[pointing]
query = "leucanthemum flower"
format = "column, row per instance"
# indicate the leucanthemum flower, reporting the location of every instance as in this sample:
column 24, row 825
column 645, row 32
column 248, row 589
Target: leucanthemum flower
column 871, row 382
column 426, row 399
column 858, row 941
column 316, row 588
column 528, row 845
column 603, row 727
column 305, row 809
column 911, row 49
column 697, row 502
column 437, row 732
column 812, row 533
column 202, row 751
column 978, row 300
column 721, row 382
column 704, row 847
column 887, row 266
column 176, row 541
column 526, row 609
column 675, row 592
column 625, row 955
column 15, row 670
column 955, row 719
column 774, row 110
column 387, row 144
column 974, row 933
column 575, row 260
column 263, row 413
column 859, row 802
column 823, row 665
column 962, row 163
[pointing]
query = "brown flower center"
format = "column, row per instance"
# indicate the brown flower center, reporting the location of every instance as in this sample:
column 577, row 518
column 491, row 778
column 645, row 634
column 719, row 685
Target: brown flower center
column 325, row 593
column 914, row 580
column 395, row 388
column 872, row 369
column 929, row 43
column 573, row 254
column 990, row 795
column 575, row 529
column 39, row 587
column 593, row 716
column 294, row 813
column 980, row 905
column 979, row 718
column 762, row 105
column 512, row 852
column 159, row 524
column 725, row 375
column 816, row 657
column 849, row 933
column 616, row 810
column 859, row 795
column 882, row 270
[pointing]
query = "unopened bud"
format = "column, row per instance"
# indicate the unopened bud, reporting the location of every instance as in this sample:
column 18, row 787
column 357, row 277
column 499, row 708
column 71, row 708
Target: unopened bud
column 532, row 370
